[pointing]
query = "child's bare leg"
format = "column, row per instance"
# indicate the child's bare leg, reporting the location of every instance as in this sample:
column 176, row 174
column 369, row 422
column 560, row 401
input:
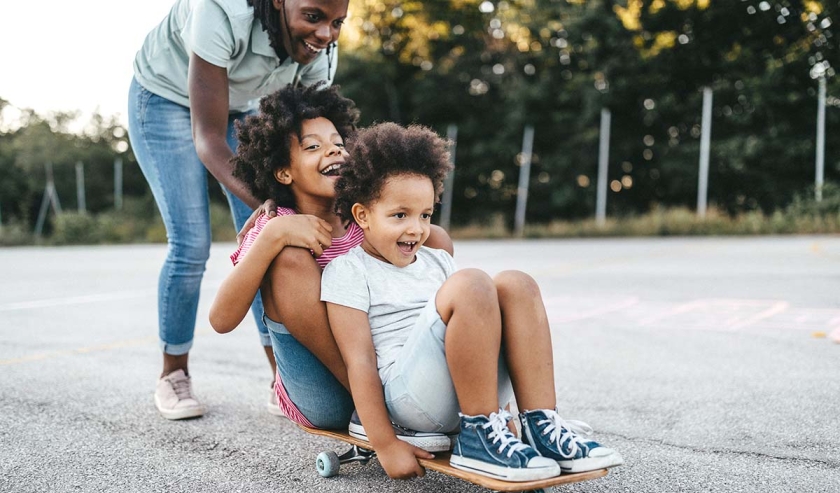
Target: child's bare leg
column 295, row 286
column 528, row 354
column 527, row 340
column 469, row 306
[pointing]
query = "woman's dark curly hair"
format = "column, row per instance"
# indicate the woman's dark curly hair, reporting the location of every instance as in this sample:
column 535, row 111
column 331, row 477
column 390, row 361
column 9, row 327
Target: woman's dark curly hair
column 265, row 139
column 386, row 150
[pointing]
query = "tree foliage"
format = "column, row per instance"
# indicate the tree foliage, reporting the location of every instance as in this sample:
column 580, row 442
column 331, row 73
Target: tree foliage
column 36, row 140
column 491, row 67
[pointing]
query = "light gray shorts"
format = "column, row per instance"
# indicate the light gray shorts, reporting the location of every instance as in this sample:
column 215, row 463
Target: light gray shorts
column 419, row 393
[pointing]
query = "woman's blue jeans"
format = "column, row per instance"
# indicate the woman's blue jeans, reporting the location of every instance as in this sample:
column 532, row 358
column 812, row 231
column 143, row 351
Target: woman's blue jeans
column 161, row 138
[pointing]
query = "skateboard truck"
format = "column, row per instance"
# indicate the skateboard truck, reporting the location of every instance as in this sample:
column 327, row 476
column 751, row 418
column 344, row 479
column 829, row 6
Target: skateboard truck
column 328, row 463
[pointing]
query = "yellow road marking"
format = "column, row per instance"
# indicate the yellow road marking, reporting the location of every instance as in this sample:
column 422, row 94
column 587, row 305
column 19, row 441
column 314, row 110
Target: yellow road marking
column 82, row 350
column 92, row 349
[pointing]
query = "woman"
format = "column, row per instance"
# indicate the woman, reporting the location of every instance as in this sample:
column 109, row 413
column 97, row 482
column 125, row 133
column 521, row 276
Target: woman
column 204, row 67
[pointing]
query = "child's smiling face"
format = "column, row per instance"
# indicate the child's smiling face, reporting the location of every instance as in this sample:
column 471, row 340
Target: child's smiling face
column 314, row 161
column 399, row 221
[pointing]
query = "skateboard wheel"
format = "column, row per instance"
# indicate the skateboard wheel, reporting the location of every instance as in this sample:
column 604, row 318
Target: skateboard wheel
column 327, row 464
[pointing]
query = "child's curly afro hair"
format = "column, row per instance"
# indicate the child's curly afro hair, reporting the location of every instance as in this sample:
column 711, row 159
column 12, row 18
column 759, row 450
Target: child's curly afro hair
column 265, row 139
column 386, row 150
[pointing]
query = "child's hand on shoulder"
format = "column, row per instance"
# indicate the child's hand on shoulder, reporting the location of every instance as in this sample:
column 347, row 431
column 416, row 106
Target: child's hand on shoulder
column 300, row 230
column 399, row 459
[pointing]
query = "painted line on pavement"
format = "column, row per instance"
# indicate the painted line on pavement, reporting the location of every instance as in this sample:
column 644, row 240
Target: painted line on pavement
column 90, row 298
column 82, row 350
column 75, row 300
column 93, row 349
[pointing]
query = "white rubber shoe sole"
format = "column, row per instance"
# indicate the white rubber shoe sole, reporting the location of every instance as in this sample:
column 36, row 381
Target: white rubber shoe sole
column 599, row 458
column 538, row 468
column 430, row 442
column 179, row 413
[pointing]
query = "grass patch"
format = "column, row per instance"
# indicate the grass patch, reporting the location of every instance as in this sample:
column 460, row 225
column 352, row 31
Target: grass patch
column 803, row 216
column 138, row 222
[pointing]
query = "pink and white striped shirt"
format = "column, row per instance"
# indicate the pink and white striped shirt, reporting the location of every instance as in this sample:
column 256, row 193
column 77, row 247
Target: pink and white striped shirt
column 352, row 237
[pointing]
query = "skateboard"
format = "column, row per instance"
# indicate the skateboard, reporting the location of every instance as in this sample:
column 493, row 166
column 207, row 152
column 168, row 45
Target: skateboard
column 328, row 464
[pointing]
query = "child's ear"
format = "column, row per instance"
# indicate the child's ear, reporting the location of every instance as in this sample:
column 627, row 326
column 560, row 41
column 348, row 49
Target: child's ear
column 360, row 214
column 282, row 175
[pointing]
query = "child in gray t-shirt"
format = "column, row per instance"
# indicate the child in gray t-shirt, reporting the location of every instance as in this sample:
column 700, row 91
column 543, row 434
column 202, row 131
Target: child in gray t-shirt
column 423, row 343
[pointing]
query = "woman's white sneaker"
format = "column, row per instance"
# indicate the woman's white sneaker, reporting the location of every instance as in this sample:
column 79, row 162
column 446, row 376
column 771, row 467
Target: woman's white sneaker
column 174, row 399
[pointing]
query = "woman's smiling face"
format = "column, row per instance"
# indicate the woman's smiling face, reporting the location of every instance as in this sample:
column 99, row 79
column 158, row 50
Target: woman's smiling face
column 310, row 26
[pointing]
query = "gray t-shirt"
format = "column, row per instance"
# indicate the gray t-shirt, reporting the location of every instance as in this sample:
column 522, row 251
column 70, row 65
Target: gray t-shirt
column 226, row 34
column 392, row 296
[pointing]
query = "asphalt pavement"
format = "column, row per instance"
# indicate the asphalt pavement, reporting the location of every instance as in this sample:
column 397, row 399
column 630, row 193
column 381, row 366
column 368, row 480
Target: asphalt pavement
column 707, row 362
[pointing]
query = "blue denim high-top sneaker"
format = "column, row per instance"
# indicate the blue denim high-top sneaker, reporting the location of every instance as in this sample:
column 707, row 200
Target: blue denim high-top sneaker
column 557, row 439
column 486, row 446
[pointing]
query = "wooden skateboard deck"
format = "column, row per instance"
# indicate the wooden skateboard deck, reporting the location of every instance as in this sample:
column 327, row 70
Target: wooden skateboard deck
column 441, row 464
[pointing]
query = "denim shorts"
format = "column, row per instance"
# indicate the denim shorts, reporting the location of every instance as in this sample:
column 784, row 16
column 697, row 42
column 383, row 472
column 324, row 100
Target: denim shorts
column 317, row 394
column 419, row 392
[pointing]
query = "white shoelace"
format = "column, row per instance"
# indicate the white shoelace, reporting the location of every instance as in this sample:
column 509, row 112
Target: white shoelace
column 561, row 431
column 501, row 434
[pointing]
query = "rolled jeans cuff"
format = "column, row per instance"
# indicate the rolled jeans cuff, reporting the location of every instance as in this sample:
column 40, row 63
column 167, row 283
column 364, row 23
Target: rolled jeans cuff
column 176, row 349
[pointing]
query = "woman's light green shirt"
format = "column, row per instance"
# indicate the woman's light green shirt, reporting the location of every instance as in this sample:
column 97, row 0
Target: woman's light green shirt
column 226, row 34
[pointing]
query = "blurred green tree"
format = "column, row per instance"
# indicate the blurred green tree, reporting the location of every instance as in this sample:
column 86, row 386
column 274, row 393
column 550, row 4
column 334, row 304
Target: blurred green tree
column 494, row 66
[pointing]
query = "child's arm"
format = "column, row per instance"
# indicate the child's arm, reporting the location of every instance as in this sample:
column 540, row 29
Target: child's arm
column 351, row 329
column 439, row 238
column 238, row 289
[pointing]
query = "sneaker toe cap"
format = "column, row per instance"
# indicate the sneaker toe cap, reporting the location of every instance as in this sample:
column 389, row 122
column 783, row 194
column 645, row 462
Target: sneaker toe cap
column 601, row 452
column 539, row 462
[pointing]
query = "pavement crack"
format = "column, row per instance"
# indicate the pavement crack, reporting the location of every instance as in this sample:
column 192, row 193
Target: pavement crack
column 741, row 453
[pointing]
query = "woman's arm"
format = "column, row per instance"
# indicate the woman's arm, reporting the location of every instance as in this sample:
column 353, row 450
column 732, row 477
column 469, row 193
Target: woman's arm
column 209, row 108
column 351, row 329
column 237, row 291
column 439, row 238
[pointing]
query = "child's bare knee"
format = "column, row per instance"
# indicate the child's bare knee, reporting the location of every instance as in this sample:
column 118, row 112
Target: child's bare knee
column 516, row 283
column 472, row 285
column 469, row 291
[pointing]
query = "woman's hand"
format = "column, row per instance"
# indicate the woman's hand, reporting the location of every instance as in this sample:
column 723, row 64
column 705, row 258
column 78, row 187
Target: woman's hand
column 269, row 208
column 399, row 459
column 300, row 230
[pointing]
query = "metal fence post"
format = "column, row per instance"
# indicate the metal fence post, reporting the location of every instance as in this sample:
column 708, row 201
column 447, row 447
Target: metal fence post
column 820, row 178
column 80, row 187
column 118, row 183
column 705, row 147
column 446, row 206
column 50, row 198
column 524, row 180
column 603, row 168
